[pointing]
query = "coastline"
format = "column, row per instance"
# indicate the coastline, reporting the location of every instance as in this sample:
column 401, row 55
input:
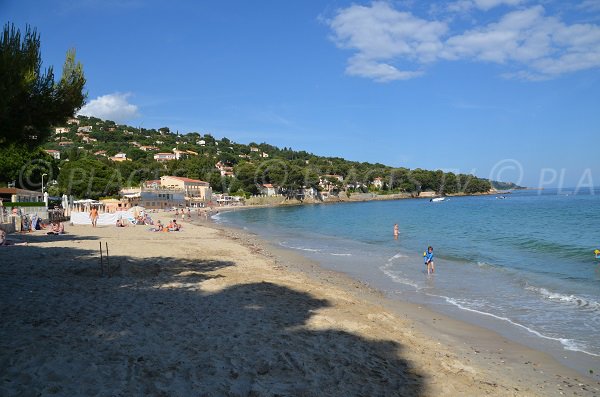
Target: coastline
column 217, row 310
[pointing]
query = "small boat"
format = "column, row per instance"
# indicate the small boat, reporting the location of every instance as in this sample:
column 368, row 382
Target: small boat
column 438, row 199
column 597, row 254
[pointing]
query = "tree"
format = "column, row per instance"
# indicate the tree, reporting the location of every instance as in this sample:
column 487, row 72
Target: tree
column 89, row 178
column 30, row 99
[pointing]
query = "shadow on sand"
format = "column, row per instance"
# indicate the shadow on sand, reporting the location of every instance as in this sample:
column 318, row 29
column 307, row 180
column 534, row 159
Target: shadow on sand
column 150, row 330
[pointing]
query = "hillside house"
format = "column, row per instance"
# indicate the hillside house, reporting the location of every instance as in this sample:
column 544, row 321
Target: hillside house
column 164, row 156
column 54, row 153
column 378, row 182
column 73, row 121
column 149, row 148
column 85, row 128
column 119, row 157
column 61, row 130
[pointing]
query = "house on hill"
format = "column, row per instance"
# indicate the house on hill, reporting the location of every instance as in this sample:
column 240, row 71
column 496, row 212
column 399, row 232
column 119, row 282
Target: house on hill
column 53, row 153
column 119, row 157
column 149, row 148
column 61, row 130
column 164, row 157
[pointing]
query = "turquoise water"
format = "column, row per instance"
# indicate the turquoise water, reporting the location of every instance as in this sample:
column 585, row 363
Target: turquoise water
column 525, row 262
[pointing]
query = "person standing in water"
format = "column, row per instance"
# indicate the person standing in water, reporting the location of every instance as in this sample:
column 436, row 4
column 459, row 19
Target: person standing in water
column 428, row 258
column 396, row 231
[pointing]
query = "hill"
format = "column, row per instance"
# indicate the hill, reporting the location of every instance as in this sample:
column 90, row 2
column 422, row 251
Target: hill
column 98, row 157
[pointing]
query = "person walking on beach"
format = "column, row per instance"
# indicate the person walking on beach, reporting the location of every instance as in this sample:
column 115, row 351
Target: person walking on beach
column 94, row 216
column 428, row 258
column 396, row 231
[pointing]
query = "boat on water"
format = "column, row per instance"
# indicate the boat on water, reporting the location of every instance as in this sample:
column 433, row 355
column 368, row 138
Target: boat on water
column 597, row 254
column 438, row 199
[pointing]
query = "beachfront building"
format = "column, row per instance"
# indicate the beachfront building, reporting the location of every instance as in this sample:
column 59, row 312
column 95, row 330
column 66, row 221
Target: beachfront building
column 114, row 205
column 168, row 192
column 16, row 195
column 194, row 189
column 378, row 182
column 268, row 189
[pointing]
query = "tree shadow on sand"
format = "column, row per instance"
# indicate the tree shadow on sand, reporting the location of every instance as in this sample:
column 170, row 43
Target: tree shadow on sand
column 149, row 332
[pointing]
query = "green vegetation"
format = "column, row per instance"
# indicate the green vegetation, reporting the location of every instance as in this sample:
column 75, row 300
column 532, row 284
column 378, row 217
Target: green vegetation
column 31, row 101
column 505, row 185
column 87, row 171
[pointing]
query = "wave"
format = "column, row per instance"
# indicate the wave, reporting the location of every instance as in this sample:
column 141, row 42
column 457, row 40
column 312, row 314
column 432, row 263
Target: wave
column 563, row 298
column 568, row 344
column 397, row 256
column 547, row 247
column 334, row 254
column 397, row 278
column 285, row 245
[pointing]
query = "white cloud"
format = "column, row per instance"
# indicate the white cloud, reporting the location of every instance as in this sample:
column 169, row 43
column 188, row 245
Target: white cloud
column 111, row 107
column 380, row 33
column 528, row 43
column 590, row 5
column 485, row 5
column 539, row 46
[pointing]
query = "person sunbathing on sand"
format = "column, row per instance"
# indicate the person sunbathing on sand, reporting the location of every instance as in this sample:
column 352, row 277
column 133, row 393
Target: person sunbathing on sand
column 173, row 226
column 56, row 228
column 158, row 227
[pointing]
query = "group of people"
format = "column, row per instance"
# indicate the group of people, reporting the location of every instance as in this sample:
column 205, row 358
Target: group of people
column 427, row 255
column 172, row 226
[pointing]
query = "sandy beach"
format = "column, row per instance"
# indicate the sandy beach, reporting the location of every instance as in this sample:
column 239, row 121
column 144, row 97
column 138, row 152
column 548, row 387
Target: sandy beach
column 212, row 311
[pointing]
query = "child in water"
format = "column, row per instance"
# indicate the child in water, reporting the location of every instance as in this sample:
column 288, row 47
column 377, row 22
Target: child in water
column 428, row 258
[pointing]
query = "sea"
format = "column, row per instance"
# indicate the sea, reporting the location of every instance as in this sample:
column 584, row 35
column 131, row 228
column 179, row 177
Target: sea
column 521, row 264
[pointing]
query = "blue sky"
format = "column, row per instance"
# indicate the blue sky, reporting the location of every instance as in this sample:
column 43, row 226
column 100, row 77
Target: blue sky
column 502, row 88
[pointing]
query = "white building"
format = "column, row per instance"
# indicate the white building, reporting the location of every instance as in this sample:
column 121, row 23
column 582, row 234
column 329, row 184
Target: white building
column 164, row 156
column 53, row 153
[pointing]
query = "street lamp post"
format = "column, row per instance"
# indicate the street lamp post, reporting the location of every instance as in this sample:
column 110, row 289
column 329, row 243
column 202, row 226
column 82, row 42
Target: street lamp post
column 43, row 175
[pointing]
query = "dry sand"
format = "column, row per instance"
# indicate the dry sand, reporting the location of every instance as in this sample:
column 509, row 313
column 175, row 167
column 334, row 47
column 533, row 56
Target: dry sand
column 210, row 311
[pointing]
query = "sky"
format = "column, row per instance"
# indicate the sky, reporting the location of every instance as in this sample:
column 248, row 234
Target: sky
column 506, row 89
